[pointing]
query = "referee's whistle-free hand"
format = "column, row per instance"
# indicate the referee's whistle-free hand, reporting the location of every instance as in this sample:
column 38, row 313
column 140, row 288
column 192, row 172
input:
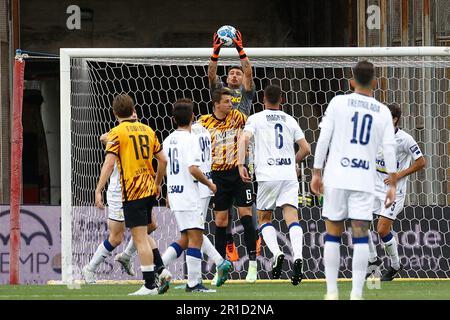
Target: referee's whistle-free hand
column 99, row 200
column 243, row 172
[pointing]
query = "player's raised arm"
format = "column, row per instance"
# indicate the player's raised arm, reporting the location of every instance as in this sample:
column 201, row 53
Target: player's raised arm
column 212, row 66
column 245, row 62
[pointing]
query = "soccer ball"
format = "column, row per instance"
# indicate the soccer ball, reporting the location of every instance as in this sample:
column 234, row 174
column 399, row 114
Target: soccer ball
column 227, row 34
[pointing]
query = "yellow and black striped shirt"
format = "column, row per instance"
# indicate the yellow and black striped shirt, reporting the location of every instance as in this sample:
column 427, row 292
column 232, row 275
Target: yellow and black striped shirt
column 134, row 144
column 224, row 138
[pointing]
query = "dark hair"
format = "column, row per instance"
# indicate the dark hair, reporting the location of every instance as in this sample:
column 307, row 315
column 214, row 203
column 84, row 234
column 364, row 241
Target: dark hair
column 396, row 111
column 123, row 106
column 234, row 67
column 216, row 96
column 363, row 73
column 272, row 93
column 182, row 111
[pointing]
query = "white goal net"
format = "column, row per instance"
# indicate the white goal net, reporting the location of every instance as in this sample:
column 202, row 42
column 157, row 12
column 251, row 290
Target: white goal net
column 416, row 79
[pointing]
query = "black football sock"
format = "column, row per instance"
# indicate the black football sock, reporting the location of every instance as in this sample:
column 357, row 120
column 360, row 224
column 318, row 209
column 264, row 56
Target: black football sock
column 249, row 237
column 159, row 265
column 149, row 279
column 220, row 241
column 229, row 238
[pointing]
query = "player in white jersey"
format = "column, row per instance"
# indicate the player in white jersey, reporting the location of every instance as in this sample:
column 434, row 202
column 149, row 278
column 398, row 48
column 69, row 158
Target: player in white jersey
column 203, row 139
column 116, row 227
column 174, row 251
column 275, row 134
column 353, row 128
column 190, row 155
column 406, row 150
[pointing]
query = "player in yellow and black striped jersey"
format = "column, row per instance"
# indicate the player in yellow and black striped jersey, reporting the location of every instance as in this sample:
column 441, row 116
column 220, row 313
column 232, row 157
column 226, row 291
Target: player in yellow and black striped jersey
column 134, row 145
column 224, row 133
column 225, row 126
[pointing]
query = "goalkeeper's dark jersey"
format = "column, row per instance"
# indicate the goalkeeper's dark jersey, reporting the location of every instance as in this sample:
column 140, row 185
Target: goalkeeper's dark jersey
column 224, row 138
column 240, row 98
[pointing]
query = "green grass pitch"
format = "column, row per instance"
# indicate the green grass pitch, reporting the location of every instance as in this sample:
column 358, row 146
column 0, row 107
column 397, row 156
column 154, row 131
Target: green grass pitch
column 396, row 290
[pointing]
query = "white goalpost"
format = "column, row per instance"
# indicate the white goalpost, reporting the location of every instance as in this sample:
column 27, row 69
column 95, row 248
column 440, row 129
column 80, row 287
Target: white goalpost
column 416, row 78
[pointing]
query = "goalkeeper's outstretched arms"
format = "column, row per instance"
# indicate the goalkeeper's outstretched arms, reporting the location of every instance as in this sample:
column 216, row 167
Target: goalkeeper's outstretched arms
column 212, row 67
column 245, row 63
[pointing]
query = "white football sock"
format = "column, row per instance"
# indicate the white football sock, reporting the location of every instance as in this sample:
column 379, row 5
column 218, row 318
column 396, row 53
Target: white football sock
column 194, row 266
column 210, row 251
column 130, row 250
column 169, row 256
column 148, row 268
column 269, row 235
column 296, row 235
column 99, row 256
column 332, row 261
column 372, row 249
column 359, row 267
column 392, row 251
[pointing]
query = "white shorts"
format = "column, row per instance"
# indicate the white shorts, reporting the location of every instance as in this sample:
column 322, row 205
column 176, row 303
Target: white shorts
column 115, row 211
column 341, row 204
column 189, row 219
column 393, row 211
column 272, row 194
column 204, row 205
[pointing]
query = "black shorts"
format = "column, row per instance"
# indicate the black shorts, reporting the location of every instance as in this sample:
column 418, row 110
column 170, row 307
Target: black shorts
column 138, row 213
column 231, row 190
